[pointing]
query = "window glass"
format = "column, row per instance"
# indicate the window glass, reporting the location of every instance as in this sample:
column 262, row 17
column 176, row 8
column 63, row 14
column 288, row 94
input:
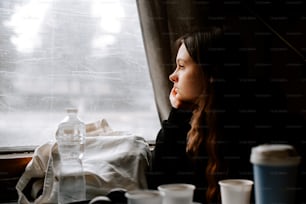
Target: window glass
column 61, row 53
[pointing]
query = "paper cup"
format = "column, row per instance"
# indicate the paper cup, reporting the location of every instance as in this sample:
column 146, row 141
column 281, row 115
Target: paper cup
column 236, row 191
column 177, row 193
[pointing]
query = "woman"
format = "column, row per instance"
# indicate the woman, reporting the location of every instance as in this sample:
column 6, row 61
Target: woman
column 210, row 130
column 189, row 145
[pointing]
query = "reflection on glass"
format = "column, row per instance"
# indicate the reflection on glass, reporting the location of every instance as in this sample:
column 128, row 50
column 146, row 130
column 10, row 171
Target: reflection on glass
column 60, row 53
column 26, row 23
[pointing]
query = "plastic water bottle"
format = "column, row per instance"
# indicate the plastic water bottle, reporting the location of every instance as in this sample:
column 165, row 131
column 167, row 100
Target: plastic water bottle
column 70, row 137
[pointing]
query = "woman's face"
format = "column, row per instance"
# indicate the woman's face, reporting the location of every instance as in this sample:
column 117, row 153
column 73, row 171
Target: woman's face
column 188, row 80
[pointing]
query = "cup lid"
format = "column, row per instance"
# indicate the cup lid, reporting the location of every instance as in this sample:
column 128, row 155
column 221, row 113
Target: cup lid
column 274, row 155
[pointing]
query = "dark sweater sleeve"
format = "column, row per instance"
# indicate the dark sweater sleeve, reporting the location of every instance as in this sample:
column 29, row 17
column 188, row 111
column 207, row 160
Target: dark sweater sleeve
column 169, row 156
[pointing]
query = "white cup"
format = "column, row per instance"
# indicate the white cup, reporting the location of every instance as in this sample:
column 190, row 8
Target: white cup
column 144, row 196
column 236, row 191
column 177, row 193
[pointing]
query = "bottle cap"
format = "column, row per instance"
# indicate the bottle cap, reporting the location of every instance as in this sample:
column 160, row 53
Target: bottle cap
column 71, row 110
column 275, row 155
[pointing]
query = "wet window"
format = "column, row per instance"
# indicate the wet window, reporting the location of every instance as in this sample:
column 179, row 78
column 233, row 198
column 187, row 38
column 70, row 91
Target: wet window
column 87, row 54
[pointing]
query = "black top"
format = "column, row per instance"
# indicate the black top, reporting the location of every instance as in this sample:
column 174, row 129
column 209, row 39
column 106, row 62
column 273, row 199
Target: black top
column 170, row 162
column 243, row 129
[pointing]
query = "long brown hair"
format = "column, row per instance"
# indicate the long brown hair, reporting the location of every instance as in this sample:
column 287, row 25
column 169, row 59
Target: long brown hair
column 209, row 50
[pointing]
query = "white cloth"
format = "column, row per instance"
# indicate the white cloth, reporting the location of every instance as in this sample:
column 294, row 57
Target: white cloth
column 111, row 160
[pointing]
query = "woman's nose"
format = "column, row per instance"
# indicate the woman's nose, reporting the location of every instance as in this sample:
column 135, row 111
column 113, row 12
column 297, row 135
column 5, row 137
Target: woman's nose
column 173, row 77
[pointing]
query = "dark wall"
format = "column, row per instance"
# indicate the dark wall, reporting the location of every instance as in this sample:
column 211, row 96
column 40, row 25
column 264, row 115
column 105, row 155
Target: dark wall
column 273, row 39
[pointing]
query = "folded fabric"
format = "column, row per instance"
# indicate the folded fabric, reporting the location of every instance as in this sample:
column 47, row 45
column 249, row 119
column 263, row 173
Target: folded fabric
column 112, row 159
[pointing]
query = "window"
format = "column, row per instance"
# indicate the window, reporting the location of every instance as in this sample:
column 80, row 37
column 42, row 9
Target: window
column 61, row 53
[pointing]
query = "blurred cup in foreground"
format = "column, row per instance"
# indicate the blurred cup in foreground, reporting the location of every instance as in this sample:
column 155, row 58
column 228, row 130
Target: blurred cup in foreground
column 144, row 196
column 275, row 173
column 235, row 191
column 177, row 193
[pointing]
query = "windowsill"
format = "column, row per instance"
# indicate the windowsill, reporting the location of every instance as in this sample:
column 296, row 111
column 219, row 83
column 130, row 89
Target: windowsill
column 11, row 151
column 12, row 165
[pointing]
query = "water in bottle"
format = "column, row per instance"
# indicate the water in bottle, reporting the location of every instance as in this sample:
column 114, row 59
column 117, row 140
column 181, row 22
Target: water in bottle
column 70, row 137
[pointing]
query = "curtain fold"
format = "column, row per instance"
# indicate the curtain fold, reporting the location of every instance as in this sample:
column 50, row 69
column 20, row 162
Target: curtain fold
column 153, row 24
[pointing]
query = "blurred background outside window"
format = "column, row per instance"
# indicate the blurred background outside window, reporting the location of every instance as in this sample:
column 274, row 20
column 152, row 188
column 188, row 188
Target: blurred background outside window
column 61, row 53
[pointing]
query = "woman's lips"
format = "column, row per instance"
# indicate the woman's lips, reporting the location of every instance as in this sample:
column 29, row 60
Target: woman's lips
column 174, row 90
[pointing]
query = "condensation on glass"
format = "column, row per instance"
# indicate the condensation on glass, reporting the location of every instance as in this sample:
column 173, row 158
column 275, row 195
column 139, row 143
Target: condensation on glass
column 61, row 53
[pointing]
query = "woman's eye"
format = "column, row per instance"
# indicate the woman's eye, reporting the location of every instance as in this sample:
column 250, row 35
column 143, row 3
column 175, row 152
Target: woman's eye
column 180, row 66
